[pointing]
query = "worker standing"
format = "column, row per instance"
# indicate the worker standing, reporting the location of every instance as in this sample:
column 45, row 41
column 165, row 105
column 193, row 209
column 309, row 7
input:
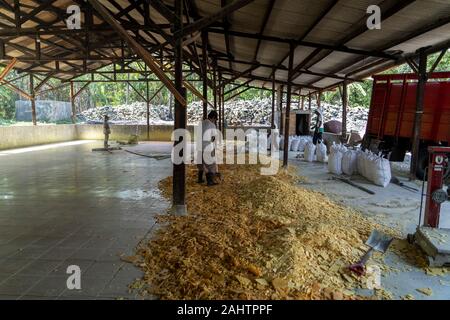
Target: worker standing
column 106, row 131
column 208, row 127
column 319, row 129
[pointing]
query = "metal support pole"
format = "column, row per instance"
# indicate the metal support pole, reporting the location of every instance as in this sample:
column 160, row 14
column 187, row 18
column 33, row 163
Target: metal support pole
column 205, row 74
column 179, row 170
column 288, row 106
column 72, row 101
column 33, row 101
column 423, row 78
column 148, row 109
column 222, row 92
column 344, row 109
column 219, row 93
column 280, row 106
column 215, row 84
column 272, row 119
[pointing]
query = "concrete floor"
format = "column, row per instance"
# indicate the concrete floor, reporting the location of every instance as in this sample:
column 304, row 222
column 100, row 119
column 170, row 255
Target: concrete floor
column 64, row 205
column 392, row 206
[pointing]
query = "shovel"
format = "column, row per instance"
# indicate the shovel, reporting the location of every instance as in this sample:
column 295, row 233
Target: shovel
column 396, row 181
column 377, row 241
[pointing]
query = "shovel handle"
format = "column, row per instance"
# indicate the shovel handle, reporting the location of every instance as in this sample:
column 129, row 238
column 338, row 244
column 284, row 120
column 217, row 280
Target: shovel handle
column 360, row 267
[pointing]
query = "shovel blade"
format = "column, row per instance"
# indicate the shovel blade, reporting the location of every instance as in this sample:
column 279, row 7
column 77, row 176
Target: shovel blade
column 379, row 241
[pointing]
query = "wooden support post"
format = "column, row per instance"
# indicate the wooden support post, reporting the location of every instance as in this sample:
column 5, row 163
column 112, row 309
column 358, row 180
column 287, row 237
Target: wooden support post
column 215, row 84
column 272, row 119
column 148, row 108
column 344, row 109
column 219, row 98
column 205, row 73
column 309, row 102
column 72, row 102
column 33, row 101
column 423, row 78
column 222, row 91
column 288, row 106
column 280, row 107
column 179, row 170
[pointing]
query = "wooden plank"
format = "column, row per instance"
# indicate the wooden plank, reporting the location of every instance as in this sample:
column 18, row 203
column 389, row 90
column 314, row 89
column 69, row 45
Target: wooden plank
column 8, row 69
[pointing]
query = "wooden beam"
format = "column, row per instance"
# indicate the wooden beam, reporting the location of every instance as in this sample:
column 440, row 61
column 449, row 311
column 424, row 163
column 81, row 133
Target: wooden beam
column 263, row 26
column 7, row 69
column 16, row 89
column 239, row 75
column 138, row 49
column 43, row 82
column 81, row 89
column 337, row 48
column 207, row 21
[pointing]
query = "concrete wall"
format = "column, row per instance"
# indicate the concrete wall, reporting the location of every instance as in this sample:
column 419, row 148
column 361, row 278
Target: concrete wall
column 24, row 136
column 123, row 132
column 46, row 110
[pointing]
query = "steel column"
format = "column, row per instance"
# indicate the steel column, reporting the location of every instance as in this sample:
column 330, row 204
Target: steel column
column 205, row 73
column 33, row 101
column 344, row 109
column 272, row 119
column 72, row 101
column 148, row 108
column 288, row 106
column 179, row 170
column 423, row 77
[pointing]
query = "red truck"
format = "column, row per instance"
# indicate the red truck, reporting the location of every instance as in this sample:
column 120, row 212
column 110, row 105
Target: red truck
column 390, row 125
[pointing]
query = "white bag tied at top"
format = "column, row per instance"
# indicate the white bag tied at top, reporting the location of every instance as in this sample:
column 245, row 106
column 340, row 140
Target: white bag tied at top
column 349, row 162
column 374, row 168
column 335, row 159
column 381, row 171
column 295, row 143
column 302, row 144
column 310, row 151
column 322, row 152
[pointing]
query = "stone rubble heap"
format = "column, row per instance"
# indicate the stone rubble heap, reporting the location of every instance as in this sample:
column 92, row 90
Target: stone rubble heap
column 255, row 112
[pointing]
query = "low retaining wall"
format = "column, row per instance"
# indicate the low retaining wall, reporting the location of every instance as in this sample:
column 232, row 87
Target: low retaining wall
column 123, row 132
column 24, row 136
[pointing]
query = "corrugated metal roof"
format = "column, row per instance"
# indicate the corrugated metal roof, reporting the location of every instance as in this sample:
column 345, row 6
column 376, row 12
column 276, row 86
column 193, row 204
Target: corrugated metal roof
column 406, row 27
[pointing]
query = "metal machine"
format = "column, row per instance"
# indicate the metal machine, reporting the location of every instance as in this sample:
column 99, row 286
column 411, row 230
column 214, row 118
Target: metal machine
column 434, row 241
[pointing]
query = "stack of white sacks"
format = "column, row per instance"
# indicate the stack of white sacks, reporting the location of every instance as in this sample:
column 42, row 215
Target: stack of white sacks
column 371, row 166
column 296, row 143
column 341, row 160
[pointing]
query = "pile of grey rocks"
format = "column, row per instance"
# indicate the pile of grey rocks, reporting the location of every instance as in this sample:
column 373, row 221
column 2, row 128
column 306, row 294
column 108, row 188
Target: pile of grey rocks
column 256, row 112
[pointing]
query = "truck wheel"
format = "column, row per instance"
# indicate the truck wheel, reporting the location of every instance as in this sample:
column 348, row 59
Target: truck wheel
column 422, row 164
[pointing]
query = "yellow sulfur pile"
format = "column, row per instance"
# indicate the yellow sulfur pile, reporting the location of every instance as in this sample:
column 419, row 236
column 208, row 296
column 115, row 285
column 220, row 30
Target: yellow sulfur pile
column 254, row 237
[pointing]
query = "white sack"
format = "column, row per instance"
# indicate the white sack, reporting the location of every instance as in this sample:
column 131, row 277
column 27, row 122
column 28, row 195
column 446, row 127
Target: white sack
column 310, row 151
column 322, row 152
